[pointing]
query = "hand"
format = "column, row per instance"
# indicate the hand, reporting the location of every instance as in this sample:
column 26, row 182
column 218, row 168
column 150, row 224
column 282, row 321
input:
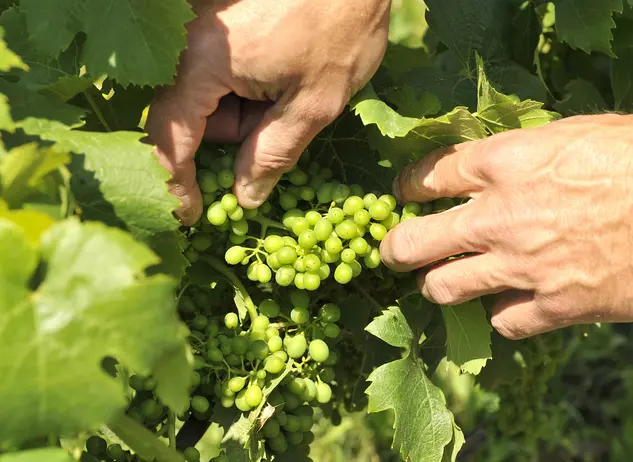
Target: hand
column 549, row 227
column 307, row 57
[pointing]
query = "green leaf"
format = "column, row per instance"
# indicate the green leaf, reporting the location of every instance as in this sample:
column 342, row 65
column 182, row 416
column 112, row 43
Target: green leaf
column 140, row 43
column 169, row 247
column 423, row 425
column 32, row 223
column 452, row 450
column 468, row 336
column 172, row 377
column 581, row 98
column 407, row 24
column 587, row 24
column 8, row 59
column 38, row 455
column 89, row 300
column 622, row 67
column 372, row 110
column 409, row 104
column 58, row 76
column 118, row 180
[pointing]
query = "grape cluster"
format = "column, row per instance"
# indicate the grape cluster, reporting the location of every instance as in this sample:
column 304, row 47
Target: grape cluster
column 320, row 229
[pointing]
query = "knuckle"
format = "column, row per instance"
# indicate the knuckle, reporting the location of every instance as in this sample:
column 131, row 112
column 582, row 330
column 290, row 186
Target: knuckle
column 402, row 246
column 507, row 329
column 440, row 290
column 274, row 162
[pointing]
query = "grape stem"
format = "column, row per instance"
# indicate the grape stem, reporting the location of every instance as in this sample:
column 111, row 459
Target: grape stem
column 365, row 294
column 171, row 428
column 221, row 268
column 269, row 223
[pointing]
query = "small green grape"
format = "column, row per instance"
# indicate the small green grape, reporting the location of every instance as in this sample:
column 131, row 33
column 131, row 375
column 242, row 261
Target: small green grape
column 311, row 281
column 208, row 182
column 231, row 320
column 330, row 313
column 323, row 393
column 307, row 239
column 413, row 208
column 312, row 262
column 290, row 216
column 340, row 193
column 216, row 214
column 362, row 217
column 237, row 214
column 260, row 349
column 310, row 392
column 264, row 273
column 295, row 438
column 297, row 386
column 286, row 255
column 239, row 228
column 319, row 350
column 377, row 231
column 300, row 315
column 324, row 193
column 273, row 243
column 391, row 221
column 359, row 245
column 275, row 344
column 348, row 255
column 254, row 396
column 324, row 271
column 271, row 428
column 379, row 210
column 299, row 281
column 215, row 355
column 273, row 262
column 199, row 404
column 241, row 403
column 372, row 260
column 201, row 241
column 226, row 178
column 352, row 205
column 336, row 215
column 298, row 177
column 293, row 424
column 306, row 193
column 347, row 229
column 236, row 384
column 229, row 202
column 278, row 444
column 300, row 299
column 199, row 322
column 269, row 308
column 191, row 454
column 300, row 225
column 389, row 200
column 115, row 452
column 313, row 217
column 356, row 268
column 328, row 257
column 287, row 201
column 334, row 245
column 323, row 229
column 96, row 445
column 369, row 200
column 297, row 346
column 343, row 273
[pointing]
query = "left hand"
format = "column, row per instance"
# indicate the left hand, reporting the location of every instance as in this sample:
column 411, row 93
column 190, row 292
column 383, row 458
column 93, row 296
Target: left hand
column 549, row 226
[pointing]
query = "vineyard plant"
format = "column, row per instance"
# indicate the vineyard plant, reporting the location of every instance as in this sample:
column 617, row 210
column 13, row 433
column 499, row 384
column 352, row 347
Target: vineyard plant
column 277, row 334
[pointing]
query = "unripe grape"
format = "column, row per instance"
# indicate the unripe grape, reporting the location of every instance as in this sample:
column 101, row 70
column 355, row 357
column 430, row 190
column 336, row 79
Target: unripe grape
column 299, row 265
column 379, row 210
column 199, row 404
column 298, row 177
column 362, row 217
column 313, row 217
column 359, row 245
column 343, row 273
column 324, row 193
column 331, row 330
column 264, row 274
column 273, row 262
column 260, row 349
column 251, row 272
column 270, row 428
column 324, row 271
column 234, row 255
column 269, row 308
column 96, row 445
column 237, row 214
column 241, row 403
column 369, row 199
column 413, row 208
column 237, row 240
column 229, row 202
column 239, row 228
column 336, row 215
column 356, row 268
column 297, row 346
column 226, row 178
column 201, row 241
column 290, row 217
column 318, row 350
column 389, row 200
column 340, row 193
column 286, row 255
column 328, row 257
column 236, row 384
column 310, row 392
column 290, row 241
column 372, row 260
column 274, row 364
column 300, row 299
column 299, row 281
column 295, row 438
column 306, row 193
column 311, row 281
column 334, row 245
column 377, row 231
column 330, row 313
column 216, row 214
column 346, row 230
column 307, row 239
column 231, row 320
column 323, row 393
column 273, row 243
column 391, row 221
column 300, row 315
column 275, row 344
column 249, row 213
column 323, row 229
column 199, row 322
column 299, row 225
column 348, row 255
column 352, row 205
column 312, row 262
column 278, row 444
column 208, row 181
column 287, row 201
column 191, row 454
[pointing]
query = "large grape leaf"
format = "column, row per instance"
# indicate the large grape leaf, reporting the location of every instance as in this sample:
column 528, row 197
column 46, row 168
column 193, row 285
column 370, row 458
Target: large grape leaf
column 622, row 68
column 423, row 425
column 587, row 24
column 38, row 455
column 8, row 59
column 133, row 41
column 468, row 336
column 582, row 97
column 59, row 76
column 82, row 298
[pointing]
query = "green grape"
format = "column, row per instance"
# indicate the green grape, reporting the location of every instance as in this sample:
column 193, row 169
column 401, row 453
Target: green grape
column 312, row 262
column 199, row 322
column 281, row 416
column 297, row 346
column 239, row 345
column 278, row 444
column 226, row 349
column 359, row 245
column 191, row 454
column 285, row 275
column 327, row 374
column 295, row 438
column 96, row 445
column 369, row 200
column 372, row 260
column 269, row 308
column 324, row 271
column 323, row 229
column 260, row 323
column 379, row 210
column 199, row 404
column 324, row 193
column 298, row 177
column 271, row 428
column 234, row 255
column 328, row 257
column 226, row 178
column 226, row 161
column 286, row 255
column 274, row 364
column 229, row 202
column 443, row 204
column 231, row 320
column 299, row 265
column 306, row 193
column 237, row 214
column 313, row 217
column 213, row 328
column 251, row 272
column 300, row 225
column 334, row 245
column 290, row 216
column 264, row 274
column 391, row 221
column 287, row 201
column 406, row 216
column 299, row 281
column 311, row 281
column 237, row 240
column 191, row 255
column 389, row 200
column 273, row 262
column 356, row 268
column 352, row 205
column 236, row 384
column 307, row 239
column 224, row 226
column 291, row 402
column 115, row 452
column 290, row 241
column 323, row 393
column 260, row 350
column 377, row 231
column 275, row 344
column 233, row 360
column 300, row 315
column 195, row 379
column 308, row 438
column 330, row 313
column 227, row 401
column 293, row 424
column 348, row 255
column 346, row 230
column 249, row 213
column 319, row 351
column 208, row 199
column 297, row 386
column 198, row 363
column 427, row 208
column 300, row 299
column 336, row 215
column 137, row 383
column 413, row 208
column 340, row 193
column 254, row 396
column 239, row 228
column 310, row 392
column 201, row 241
column 316, row 181
column 208, row 181
column 306, row 423
column 215, row 355
column 241, row 403
column 343, row 273
column 281, row 355
column 362, row 217
column 271, row 332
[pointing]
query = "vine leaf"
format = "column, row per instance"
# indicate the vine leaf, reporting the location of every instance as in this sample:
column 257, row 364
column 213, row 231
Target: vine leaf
column 468, row 336
column 8, row 59
column 83, row 297
column 423, row 424
column 38, row 455
column 581, row 97
column 587, row 24
column 32, row 223
column 142, row 49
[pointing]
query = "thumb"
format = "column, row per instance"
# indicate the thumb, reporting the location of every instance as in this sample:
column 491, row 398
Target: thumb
column 276, row 143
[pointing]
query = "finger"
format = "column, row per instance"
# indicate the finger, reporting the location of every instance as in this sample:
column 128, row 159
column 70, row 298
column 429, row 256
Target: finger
column 234, row 119
column 421, row 241
column 449, row 172
column 275, row 145
column 517, row 315
column 463, row 279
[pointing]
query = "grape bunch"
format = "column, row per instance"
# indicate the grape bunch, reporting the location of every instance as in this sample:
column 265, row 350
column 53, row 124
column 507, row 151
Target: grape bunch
column 321, row 227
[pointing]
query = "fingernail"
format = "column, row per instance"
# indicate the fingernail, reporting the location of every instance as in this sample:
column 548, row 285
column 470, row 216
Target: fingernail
column 395, row 187
column 257, row 191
